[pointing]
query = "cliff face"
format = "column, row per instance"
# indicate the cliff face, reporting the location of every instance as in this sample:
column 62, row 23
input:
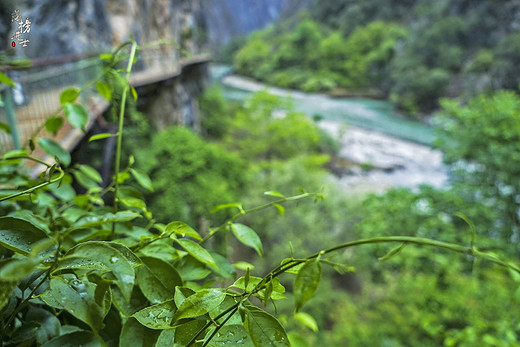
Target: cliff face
column 62, row 27
column 227, row 18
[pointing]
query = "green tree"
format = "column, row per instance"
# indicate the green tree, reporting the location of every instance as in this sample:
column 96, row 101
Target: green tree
column 481, row 143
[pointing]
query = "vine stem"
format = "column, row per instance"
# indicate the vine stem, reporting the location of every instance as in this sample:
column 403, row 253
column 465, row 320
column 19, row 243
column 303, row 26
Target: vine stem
column 255, row 209
column 120, row 129
column 280, row 269
column 51, row 180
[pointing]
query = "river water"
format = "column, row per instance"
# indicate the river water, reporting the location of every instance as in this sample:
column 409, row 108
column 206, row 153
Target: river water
column 371, row 133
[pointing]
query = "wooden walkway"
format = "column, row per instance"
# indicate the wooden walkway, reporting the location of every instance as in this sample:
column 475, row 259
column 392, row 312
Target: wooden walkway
column 43, row 103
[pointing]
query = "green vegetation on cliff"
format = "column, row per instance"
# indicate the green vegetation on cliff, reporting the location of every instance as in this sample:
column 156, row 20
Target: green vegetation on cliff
column 413, row 52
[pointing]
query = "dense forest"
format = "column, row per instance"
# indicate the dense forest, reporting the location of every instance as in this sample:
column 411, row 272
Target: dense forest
column 238, row 233
column 412, row 52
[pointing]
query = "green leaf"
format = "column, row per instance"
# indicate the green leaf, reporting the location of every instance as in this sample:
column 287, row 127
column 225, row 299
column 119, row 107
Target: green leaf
column 134, row 202
column 135, row 334
column 225, row 206
column 164, row 271
column 293, row 270
column 134, row 92
column 157, row 316
column 91, row 173
column 54, row 149
column 166, row 338
column 274, row 193
column 231, row 335
column 185, row 332
column 77, row 297
column 248, row 237
column 142, row 178
column 307, row 320
column 280, row 209
column 252, row 281
column 6, row 289
column 5, row 127
column 306, row 282
column 151, row 286
column 105, row 56
column 199, row 303
column 19, row 235
column 14, row 270
column 242, row 265
column 69, row 95
column 264, row 329
column 6, row 80
column 393, row 252
column 104, row 90
column 32, row 147
column 93, row 221
column 182, row 229
column 101, row 136
column 196, row 251
column 127, row 308
column 181, row 293
column 191, row 269
column 84, row 180
column 76, row 338
column 79, row 262
column 76, row 115
column 48, row 324
column 225, row 269
column 113, row 259
column 53, row 124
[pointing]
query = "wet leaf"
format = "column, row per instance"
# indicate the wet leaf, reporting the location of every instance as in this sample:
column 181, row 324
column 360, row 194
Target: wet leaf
column 264, row 329
column 199, row 303
column 113, row 259
column 78, row 301
column 19, row 235
column 93, row 221
column 231, row 335
column 157, row 316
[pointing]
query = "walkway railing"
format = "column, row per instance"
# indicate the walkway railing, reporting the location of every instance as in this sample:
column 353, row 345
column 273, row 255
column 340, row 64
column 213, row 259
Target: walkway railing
column 27, row 107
